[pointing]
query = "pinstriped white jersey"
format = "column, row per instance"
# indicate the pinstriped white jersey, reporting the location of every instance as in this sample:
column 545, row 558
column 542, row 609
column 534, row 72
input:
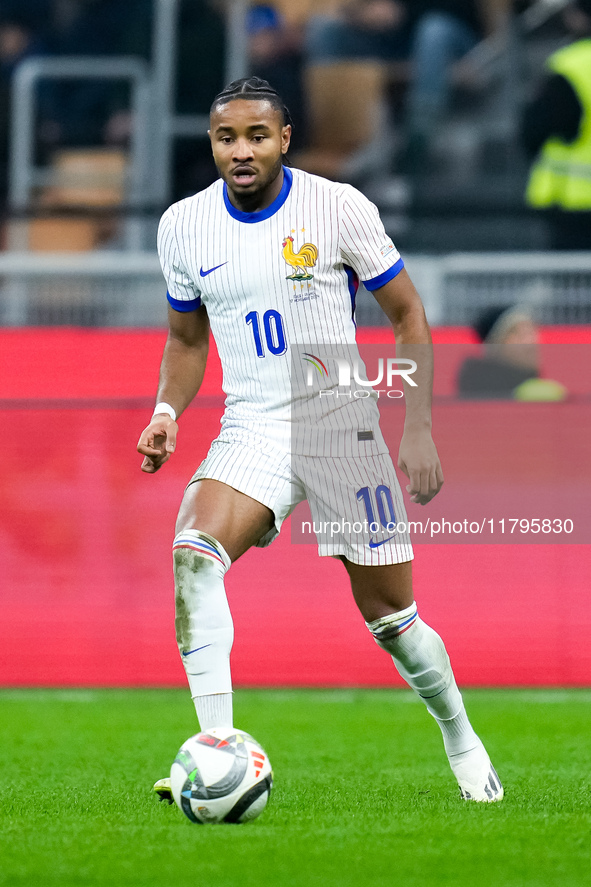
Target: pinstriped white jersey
column 275, row 280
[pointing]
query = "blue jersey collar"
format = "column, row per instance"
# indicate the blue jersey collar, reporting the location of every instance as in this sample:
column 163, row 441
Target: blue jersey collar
column 264, row 213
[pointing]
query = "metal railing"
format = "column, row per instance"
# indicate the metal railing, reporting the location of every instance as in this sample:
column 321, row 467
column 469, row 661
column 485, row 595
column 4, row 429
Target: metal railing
column 25, row 175
column 457, row 287
column 82, row 289
column 156, row 122
column 108, row 288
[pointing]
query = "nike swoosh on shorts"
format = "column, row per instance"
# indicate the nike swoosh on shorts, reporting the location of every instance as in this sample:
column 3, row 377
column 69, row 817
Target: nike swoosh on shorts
column 374, row 544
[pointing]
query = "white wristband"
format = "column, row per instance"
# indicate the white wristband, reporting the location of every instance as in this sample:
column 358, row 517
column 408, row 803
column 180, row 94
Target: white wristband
column 165, row 408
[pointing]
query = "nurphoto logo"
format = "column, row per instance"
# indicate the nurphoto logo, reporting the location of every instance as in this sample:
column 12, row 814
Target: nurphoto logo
column 350, row 372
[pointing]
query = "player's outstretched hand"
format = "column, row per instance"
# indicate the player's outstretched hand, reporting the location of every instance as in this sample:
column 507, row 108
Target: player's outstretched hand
column 157, row 442
column 419, row 460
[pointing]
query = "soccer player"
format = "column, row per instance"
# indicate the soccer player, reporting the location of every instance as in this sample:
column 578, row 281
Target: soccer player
column 234, row 258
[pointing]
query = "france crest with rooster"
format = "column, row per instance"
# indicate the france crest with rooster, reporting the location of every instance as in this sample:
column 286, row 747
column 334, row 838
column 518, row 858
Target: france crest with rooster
column 301, row 261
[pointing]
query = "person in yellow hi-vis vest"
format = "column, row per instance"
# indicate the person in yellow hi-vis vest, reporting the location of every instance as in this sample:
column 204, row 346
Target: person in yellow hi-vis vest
column 557, row 133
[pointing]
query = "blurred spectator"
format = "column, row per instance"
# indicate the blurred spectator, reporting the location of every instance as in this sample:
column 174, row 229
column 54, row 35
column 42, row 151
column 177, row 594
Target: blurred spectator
column 201, row 54
column 36, row 14
column 361, row 29
column 557, row 132
column 511, row 354
column 90, row 113
column 510, row 365
column 445, row 31
column 80, row 110
column 429, row 34
column 276, row 56
column 201, row 59
column 19, row 40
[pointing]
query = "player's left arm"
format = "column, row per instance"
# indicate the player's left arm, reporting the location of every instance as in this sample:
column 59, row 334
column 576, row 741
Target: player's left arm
column 417, row 456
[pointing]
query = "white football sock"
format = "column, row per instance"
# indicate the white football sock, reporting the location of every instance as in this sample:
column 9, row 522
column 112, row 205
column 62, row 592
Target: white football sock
column 214, row 710
column 421, row 659
column 204, row 626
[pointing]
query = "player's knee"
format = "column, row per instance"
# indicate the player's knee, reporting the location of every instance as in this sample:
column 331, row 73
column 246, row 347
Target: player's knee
column 388, row 629
column 417, row 650
column 202, row 614
column 198, row 552
column 199, row 563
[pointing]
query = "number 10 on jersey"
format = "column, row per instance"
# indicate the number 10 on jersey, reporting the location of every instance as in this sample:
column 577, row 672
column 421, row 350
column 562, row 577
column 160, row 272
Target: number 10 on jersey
column 273, row 331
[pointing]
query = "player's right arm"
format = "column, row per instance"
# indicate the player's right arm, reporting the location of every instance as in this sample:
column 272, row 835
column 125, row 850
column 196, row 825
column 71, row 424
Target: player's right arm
column 181, row 375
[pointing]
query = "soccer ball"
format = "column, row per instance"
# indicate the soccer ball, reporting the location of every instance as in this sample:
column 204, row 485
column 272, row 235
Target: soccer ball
column 222, row 775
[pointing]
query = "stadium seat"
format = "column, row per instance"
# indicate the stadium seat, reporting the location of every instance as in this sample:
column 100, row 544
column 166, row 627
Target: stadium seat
column 298, row 13
column 84, row 178
column 345, row 109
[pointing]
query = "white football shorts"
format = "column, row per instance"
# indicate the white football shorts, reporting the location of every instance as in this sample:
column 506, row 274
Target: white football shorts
column 356, row 503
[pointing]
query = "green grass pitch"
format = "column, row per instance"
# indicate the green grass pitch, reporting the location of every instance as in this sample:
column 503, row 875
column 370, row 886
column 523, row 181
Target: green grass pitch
column 363, row 794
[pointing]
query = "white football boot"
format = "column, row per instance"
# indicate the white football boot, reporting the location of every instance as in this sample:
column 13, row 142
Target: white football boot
column 163, row 790
column 476, row 775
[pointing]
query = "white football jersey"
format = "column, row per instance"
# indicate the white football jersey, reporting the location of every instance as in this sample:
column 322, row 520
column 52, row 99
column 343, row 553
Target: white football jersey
column 277, row 284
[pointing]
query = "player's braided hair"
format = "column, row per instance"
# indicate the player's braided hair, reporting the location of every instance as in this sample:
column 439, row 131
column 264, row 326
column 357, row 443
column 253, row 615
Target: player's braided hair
column 252, row 88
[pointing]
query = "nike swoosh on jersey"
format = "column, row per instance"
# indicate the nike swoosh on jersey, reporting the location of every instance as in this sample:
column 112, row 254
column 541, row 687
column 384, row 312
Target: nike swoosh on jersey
column 373, row 544
column 209, row 271
column 196, row 650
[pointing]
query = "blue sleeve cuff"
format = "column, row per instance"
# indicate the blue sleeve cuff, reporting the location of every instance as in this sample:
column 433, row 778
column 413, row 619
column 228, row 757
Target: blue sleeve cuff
column 383, row 278
column 182, row 305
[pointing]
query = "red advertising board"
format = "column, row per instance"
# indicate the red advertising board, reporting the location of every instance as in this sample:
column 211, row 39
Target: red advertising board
column 85, row 564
